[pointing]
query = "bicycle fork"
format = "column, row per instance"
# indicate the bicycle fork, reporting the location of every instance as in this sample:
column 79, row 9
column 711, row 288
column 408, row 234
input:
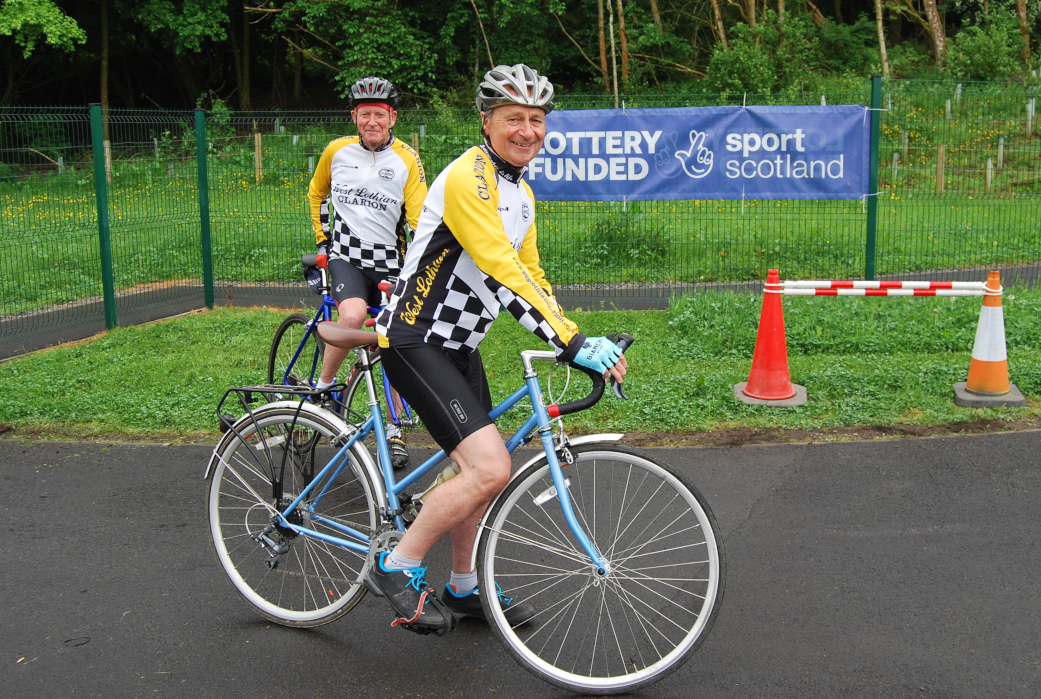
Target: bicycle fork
column 599, row 563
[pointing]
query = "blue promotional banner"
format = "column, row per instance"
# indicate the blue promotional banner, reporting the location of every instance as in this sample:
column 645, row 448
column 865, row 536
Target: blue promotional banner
column 703, row 153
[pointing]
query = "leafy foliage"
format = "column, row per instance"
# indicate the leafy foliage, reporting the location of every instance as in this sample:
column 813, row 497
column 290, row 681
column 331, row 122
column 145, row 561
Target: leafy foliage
column 790, row 56
column 986, row 52
column 29, row 21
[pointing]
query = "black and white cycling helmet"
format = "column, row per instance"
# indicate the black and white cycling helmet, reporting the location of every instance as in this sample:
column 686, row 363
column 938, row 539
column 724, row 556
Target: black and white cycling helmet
column 518, row 84
column 372, row 89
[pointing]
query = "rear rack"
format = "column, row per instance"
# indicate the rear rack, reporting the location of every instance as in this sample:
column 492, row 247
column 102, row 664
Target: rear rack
column 246, row 396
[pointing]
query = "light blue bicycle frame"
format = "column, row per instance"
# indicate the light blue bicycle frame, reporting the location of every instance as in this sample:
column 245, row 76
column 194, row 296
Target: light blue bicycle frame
column 360, row 542
column 324, row 312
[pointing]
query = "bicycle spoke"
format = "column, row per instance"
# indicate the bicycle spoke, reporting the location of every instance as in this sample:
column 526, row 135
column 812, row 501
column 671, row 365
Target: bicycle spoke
column 290, row 577
column 605, row 634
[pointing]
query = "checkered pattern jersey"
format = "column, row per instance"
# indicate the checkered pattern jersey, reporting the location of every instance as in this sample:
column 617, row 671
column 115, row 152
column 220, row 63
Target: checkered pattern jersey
column 363, row 253
column 364, row 202
column 474, row 253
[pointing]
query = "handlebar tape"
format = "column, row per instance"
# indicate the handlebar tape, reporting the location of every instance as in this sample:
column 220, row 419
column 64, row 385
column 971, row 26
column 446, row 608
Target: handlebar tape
column 624, row 341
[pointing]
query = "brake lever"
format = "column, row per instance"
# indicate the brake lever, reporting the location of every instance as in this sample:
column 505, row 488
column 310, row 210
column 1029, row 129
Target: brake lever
column 624, row 341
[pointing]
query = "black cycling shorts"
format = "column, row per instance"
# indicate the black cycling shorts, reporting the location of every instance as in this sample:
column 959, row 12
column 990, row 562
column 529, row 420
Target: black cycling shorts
column 349, row 282
column 447, row 388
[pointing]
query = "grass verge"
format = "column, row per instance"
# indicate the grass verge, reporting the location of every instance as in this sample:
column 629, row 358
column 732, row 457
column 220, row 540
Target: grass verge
column 873, row 367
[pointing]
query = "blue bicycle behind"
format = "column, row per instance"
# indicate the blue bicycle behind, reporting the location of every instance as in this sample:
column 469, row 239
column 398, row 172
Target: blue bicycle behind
column 619, row 554
column 295, row 359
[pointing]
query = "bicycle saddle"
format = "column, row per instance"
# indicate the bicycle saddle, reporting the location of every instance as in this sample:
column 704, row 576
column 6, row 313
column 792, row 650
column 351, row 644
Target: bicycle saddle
column 344, row 338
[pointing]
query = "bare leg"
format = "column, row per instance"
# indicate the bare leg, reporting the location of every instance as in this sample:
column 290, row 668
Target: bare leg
column 352, row 314
column 456, row 507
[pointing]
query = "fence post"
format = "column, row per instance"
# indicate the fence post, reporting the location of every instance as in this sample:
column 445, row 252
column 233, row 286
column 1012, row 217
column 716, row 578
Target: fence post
column 941, row 163
column 204, row 206
column 108, row 285
column 872, row 203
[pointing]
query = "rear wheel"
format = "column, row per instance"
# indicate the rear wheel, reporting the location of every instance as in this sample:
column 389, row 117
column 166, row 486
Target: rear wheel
column 593, row 633
column 262, row 466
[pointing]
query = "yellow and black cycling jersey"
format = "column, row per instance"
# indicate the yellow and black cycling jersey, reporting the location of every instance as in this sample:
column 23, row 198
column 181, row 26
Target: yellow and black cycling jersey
column 474, row 252
column 363, row 200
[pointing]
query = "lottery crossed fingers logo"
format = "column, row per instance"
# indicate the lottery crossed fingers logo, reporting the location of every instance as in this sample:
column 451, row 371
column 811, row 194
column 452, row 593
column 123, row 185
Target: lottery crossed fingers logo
column 698, row 159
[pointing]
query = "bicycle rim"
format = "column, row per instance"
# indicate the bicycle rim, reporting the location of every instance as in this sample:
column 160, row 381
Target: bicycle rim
column 287, row 340
column 659, row 599
column 313, row 582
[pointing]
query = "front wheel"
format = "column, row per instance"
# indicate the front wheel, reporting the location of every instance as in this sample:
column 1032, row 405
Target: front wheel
column 642, row 620
column 281, row 367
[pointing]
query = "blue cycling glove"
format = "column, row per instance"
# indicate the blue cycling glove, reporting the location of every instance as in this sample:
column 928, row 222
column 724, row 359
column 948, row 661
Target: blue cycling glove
column 598, row 354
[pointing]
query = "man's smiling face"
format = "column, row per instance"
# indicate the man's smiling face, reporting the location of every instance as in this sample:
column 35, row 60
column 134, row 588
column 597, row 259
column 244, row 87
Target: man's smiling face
column 516, row 132
column 374, row 124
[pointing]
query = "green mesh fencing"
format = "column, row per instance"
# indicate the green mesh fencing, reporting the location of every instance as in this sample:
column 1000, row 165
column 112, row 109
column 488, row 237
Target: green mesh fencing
column 958, row 192
column 960, row 178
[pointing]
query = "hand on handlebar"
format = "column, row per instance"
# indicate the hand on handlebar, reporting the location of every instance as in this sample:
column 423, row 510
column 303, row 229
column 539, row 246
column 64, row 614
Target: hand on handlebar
column 323, row 257
column 602, row 356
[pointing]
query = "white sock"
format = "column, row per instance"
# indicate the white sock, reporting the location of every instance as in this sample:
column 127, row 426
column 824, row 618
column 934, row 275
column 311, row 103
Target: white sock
column 397, row 562
column 463, row 583
column 321, row 385
column 393, row 431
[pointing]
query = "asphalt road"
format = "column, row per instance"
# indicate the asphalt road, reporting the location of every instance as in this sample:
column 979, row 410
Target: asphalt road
column 875, row 569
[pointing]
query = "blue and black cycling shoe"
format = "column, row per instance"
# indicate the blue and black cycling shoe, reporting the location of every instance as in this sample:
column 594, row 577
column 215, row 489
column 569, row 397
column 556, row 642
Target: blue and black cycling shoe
column 413, row 600
column 398, row 452
column 470, row 605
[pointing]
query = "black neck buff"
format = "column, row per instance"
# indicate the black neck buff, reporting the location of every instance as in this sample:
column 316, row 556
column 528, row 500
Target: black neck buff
column 509, row 172
column 385, row 146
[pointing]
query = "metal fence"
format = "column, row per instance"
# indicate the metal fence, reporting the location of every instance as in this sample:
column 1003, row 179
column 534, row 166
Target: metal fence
column 170, row 210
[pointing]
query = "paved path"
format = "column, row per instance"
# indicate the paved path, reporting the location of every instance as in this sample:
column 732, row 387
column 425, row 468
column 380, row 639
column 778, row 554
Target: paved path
column 897, row 568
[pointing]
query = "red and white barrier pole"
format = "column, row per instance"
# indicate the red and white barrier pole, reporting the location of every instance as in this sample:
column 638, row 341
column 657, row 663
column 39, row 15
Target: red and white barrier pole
column 769, row 382
column 881, row 288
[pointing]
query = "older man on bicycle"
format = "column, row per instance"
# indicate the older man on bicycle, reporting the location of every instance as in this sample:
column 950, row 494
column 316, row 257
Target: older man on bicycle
column 367, row 190
column 474, row 251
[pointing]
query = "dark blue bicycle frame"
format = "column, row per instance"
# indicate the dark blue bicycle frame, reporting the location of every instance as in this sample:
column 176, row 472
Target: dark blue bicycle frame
column 539, row 418
column 324, row 312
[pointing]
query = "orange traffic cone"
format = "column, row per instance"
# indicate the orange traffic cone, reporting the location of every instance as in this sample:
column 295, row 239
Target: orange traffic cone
column 769, row 382
column 988, row 384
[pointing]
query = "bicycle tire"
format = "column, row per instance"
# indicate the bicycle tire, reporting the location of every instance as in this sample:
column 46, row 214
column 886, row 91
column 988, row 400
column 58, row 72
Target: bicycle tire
column 658, row 609
column 356, row 409
column 314, row 582
column 308, row 364
column 355, row 398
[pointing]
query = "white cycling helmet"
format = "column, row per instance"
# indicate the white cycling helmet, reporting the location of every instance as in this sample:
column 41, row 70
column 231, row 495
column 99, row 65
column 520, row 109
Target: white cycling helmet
column 372, row 89
column 518, row 84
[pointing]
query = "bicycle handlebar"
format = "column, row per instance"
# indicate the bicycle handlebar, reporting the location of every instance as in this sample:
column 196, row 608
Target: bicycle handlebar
column 624, row 341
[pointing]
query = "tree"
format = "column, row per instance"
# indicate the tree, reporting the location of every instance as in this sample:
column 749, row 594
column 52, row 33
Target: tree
column 881, row 39
column 29, row 21
column 929, row 21
column 1024, row 31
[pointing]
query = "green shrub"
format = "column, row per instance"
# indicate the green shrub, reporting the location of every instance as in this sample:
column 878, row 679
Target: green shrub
column 794, row 56
column 626, row 238
column 911, row 59
column 985, row 53
column 746, row 66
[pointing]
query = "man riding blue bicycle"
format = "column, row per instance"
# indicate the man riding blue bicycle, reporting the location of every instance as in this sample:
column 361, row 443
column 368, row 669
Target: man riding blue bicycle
column 474, row 251
column 367, row 190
